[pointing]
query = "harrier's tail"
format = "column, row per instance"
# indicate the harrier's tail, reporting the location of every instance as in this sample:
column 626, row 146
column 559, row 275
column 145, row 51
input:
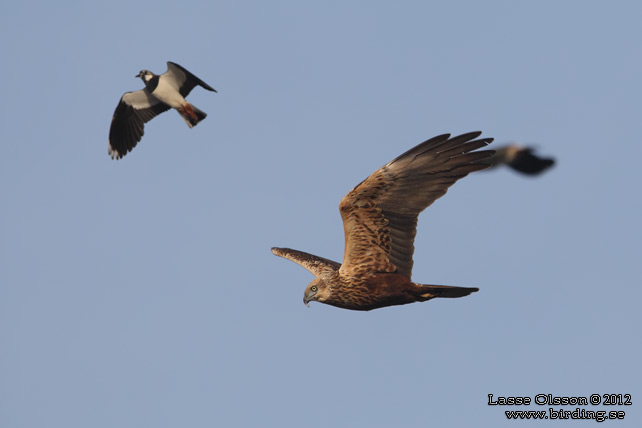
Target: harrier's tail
column 191, row 114
column 432, row 291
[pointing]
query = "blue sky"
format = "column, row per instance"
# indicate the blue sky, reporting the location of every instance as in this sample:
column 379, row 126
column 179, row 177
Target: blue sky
column 143, row 292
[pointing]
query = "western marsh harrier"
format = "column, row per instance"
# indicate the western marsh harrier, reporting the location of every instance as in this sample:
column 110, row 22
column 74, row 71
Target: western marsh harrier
column 380, row 221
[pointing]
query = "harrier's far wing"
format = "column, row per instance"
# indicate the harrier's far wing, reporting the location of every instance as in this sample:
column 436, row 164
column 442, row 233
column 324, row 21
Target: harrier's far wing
column 315, row 264
column 380, row 214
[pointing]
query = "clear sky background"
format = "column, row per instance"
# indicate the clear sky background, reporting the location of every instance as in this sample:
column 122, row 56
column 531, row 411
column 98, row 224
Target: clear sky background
column 142, row 292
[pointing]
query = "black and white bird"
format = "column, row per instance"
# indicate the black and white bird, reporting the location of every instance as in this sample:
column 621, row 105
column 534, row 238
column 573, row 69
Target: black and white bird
column 521, row 159
column 159, row 95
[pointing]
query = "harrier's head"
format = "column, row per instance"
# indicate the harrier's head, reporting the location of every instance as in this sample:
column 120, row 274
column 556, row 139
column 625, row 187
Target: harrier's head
column 317, row 290
column 145, row 75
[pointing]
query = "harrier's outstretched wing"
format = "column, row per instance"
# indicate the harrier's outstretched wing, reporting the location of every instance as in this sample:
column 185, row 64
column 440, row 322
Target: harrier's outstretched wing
column 127, row 126
column 315, row 264
column 380, row 214
column 183, row 79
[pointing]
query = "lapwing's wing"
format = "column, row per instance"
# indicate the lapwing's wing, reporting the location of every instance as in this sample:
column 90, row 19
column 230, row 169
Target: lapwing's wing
column 380, row 214
column 183, row 80
column 133, row 111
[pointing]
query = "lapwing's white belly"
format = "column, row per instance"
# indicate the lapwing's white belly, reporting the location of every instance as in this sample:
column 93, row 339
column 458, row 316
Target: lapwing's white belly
column 168, row 93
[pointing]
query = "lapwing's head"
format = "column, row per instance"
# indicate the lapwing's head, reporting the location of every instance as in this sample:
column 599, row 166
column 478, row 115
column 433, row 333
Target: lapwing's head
column 145, row 75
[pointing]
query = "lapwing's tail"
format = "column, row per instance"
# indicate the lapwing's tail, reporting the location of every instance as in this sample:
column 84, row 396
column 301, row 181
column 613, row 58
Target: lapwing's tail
column 191, row 114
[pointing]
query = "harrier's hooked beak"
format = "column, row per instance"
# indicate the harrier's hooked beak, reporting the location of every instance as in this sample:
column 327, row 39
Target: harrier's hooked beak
column 306, row 301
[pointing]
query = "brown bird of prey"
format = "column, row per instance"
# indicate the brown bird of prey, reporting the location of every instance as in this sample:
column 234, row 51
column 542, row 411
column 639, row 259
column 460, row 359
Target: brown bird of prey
column 380, row 224
column 521, row 159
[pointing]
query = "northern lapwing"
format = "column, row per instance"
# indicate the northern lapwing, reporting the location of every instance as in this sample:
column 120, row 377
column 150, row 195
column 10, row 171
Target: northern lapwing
column 159, row 95
column 521, row 159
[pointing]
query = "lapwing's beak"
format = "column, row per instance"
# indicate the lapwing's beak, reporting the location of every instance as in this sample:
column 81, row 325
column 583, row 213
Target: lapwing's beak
column 139, row 74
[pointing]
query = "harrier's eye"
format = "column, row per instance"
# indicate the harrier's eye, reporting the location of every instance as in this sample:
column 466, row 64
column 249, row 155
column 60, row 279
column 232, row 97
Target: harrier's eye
column 313, row 288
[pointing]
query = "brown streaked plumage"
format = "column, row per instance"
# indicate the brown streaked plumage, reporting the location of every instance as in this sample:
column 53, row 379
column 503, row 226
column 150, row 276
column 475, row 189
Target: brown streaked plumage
column 380, row 221
column 521, row 159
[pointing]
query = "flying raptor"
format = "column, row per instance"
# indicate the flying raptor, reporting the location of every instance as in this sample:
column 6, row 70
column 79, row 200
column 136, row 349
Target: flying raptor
column 380, row 221
column 159, row 95
column 521, row 159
